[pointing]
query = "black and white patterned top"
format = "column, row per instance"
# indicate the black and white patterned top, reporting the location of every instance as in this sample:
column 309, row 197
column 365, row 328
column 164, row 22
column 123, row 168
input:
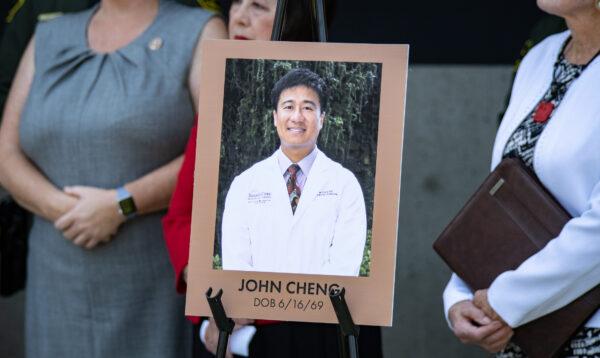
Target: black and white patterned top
column 584, row 344
column 521, row 143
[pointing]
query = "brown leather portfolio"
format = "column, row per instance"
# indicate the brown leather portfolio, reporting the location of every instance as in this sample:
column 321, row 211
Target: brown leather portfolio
column 508, row 219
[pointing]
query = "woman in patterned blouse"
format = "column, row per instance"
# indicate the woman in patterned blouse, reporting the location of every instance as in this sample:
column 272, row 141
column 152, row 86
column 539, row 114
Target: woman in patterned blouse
column 553, row 125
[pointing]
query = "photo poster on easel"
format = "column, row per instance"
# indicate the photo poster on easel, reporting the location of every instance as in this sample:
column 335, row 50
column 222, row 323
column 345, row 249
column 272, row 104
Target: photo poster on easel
column 277, row 238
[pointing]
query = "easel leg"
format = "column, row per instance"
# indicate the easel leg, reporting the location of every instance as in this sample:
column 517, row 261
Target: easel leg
column 222, row 346
column 224, row 323
column 353, row 346
column 342, row 344
column 347, row 330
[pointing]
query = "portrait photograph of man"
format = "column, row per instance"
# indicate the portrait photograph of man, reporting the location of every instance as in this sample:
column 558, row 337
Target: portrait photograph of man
column 296, row 176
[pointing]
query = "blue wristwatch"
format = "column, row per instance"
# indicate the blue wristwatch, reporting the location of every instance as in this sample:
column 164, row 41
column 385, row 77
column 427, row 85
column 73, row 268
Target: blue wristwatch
column 127, row 206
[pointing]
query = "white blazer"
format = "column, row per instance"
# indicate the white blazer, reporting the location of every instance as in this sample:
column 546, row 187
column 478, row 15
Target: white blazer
column 326, row 235
column 567, row 162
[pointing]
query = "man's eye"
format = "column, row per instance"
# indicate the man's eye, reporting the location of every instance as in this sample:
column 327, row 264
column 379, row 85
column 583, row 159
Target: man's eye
column 259, row 6
column 308, row 108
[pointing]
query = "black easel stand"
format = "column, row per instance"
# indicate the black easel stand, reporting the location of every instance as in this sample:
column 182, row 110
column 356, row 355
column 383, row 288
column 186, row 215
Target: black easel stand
column 224, row 323
column 348, row 331
column 316, row 19
column 318, row 10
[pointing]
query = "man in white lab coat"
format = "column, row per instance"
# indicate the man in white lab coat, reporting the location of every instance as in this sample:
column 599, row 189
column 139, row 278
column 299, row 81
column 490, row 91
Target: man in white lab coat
column 296, row 211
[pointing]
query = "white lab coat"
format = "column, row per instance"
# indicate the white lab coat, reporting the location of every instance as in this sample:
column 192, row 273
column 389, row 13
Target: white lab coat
column 326, row 235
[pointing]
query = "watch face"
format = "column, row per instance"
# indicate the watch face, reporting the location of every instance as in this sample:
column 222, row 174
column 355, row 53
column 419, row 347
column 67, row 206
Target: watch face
column 127, row 206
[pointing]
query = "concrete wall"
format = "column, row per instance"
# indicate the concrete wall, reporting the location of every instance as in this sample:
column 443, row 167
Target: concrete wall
column 451, row 119
column 450, row 125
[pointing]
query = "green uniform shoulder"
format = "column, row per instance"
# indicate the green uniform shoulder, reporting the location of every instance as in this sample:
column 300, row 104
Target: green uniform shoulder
column 47, row 16
column 211, row 5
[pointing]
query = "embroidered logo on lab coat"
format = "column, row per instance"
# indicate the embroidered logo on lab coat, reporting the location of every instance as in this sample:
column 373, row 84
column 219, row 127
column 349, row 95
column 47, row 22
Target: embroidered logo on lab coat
column 326, row 193
column 259, row 197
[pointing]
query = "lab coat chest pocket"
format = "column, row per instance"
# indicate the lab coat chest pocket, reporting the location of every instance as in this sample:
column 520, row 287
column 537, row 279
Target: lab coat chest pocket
column 259, row 204
column 324, row 212
column 260, row 213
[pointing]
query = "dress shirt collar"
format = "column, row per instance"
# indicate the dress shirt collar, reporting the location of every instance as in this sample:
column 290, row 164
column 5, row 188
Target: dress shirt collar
column 305, row 164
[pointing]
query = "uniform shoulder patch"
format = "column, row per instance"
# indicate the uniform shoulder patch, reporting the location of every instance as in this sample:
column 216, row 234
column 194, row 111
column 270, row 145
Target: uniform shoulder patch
column 49, row 16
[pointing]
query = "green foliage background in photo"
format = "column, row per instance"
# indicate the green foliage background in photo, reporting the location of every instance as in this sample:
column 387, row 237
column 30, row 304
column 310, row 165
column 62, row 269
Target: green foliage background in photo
column 349, row 134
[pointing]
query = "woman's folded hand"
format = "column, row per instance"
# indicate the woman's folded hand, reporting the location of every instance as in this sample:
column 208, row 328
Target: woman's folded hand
column 480, row 300
column 471, row 325
column 93, row 220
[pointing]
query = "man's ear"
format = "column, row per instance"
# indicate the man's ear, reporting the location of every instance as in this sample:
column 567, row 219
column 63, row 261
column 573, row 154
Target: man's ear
column 321, row 120
column 275, row 118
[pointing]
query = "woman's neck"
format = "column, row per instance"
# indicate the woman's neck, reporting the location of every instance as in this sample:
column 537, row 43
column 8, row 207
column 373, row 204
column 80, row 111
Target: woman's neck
column 118, row 22
column 585, row 37
column 116, row 9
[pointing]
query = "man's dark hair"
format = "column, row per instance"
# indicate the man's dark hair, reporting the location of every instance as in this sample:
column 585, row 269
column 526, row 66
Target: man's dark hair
column 300, row 77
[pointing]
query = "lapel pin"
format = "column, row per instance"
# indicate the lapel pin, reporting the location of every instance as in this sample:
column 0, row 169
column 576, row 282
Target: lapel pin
column 155, row 43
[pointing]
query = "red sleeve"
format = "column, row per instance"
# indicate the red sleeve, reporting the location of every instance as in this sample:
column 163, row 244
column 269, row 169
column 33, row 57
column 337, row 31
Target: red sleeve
column 176, row 224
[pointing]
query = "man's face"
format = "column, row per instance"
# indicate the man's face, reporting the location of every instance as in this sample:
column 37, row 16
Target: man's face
column 298, row 118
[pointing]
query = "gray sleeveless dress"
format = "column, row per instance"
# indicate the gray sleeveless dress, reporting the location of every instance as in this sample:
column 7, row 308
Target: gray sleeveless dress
column 103, row 120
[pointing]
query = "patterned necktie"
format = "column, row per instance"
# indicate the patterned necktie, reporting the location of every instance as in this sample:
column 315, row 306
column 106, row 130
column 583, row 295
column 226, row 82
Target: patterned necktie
column 292, row 187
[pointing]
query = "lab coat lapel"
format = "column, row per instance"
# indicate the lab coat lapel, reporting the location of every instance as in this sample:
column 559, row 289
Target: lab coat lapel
column 314, row 181
column 277, row 184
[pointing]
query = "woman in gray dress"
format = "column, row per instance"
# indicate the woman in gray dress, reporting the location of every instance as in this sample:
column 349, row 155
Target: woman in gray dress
column 91, row 142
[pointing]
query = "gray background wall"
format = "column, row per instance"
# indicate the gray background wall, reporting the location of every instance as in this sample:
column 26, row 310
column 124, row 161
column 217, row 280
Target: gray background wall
column 451, row 118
